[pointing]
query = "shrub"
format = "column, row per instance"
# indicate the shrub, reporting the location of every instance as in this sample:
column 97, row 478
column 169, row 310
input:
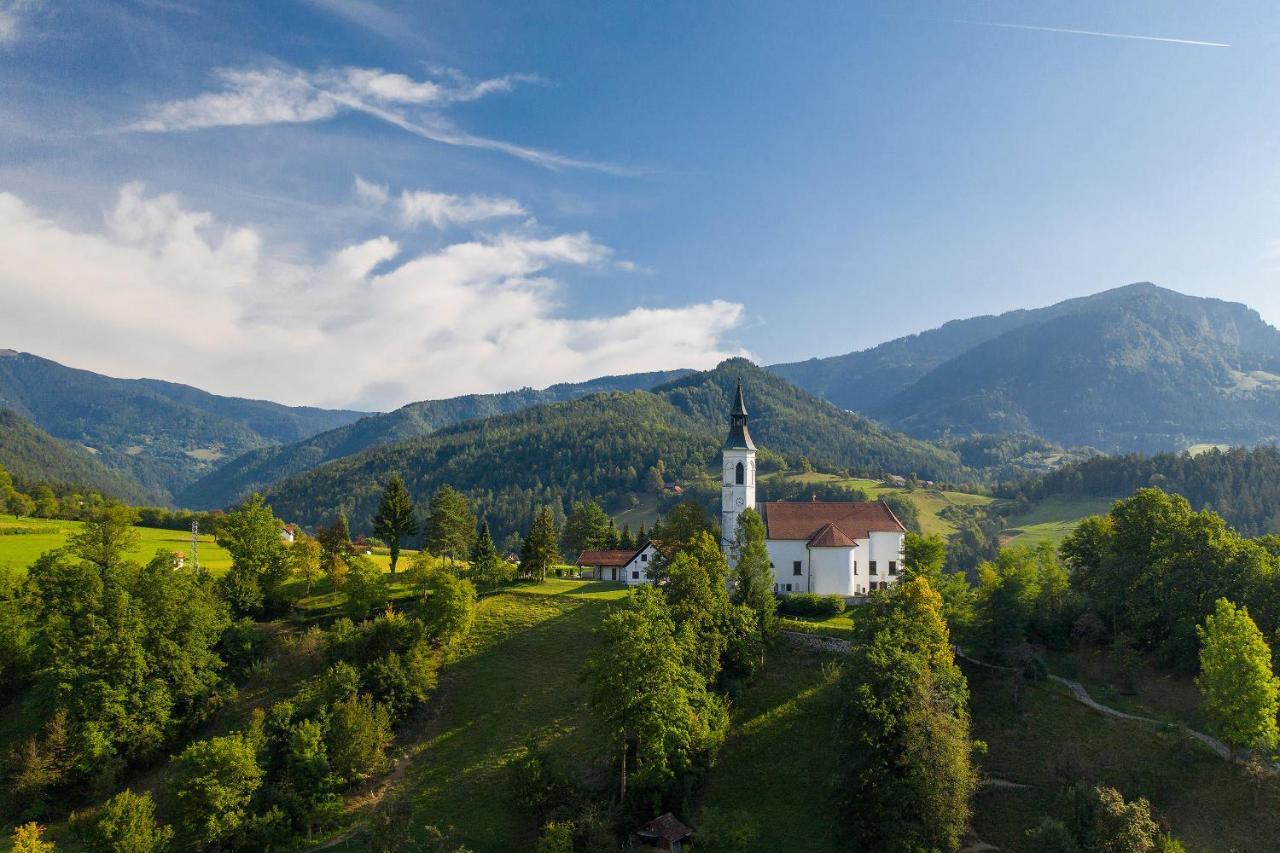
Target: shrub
column 811, row 604
column 126, row 824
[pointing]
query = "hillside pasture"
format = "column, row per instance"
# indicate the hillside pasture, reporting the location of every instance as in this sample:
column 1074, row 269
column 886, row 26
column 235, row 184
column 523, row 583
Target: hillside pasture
column 23, row 540
column 1052, row 519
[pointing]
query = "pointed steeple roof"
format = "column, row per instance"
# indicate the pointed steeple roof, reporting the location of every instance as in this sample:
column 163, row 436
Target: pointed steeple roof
column 739, row 436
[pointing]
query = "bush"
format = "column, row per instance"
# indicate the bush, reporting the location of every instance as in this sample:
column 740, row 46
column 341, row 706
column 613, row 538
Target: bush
column 811, row 604
column 126, row 824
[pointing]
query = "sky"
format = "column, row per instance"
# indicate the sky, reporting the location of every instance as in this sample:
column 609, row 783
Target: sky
column 362, row 203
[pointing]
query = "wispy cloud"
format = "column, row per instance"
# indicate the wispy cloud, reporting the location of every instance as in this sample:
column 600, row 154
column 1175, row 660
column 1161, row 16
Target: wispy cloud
column 417, row 207
column 278, row 95
column 13, row 14
column 1008, row 26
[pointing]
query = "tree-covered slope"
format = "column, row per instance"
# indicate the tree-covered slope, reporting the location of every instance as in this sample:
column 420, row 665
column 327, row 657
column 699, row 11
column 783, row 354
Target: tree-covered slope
column 1137, row 367
column 161, row 434
column 260, row 468
column 31, row 455
column 1242, row 485
column 602, row 447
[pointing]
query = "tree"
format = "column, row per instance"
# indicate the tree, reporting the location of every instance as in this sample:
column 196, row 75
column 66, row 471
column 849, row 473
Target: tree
column 21, row 505
column 586, row 528
column 1099, row 819
column 450, row 607
column 397, row 518
column 126, row 823
column 753, row 573
column 626, row 541
column 359, row 736
column 335, row 549
column 488, row 568
column 557, row 837
column 699, row 603
column 451, row 525
column 107, row 537
column 926, row 557
column 904, row 729
column 682, row 525
column 659, row 716
column 259, row 561
column 304, row 559
column 366, row 588
column 212, row 785
column 29, row 838
column 1238, row 688
column 46, row 502
column 541, row 550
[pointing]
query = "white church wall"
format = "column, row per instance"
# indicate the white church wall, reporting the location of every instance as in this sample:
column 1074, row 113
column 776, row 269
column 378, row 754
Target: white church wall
column 783, row 553
column 832, row 570
column 885, row 548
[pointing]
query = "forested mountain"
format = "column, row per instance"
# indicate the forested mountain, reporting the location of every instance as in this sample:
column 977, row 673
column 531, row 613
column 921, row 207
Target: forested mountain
column 1135, row 368
column 604, row 447
column 1241, row 485
column 161, row 434
column 31, row 455
column 260, row 468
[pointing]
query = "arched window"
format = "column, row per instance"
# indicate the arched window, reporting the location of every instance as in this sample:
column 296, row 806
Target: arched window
column 741, row 476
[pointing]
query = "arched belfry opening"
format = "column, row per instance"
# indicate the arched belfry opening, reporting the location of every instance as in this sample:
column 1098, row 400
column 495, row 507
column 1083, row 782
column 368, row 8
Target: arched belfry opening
column 740, row 477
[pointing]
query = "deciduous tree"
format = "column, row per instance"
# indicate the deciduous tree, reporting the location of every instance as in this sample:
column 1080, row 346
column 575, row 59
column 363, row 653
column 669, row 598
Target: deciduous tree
column 212, row 785
column 1236, row 681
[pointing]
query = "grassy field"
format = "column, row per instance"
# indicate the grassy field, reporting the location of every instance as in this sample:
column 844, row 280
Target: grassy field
column 777, row 766
column 930, row 502
column 19, row 550
column 516, row 678
column 1052, row 520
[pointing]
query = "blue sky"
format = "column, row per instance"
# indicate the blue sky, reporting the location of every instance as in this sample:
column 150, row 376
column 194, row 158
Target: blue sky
column 369, row 202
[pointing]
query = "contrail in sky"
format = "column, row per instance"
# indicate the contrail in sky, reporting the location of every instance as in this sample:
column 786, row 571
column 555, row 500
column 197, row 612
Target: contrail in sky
column 1088, row 33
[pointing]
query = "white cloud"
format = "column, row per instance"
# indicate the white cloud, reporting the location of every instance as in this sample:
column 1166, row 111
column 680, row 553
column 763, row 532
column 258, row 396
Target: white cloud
column 441, row 209
column 290, row 96
column 164, row 291
column 12, row 14
column 370, row 193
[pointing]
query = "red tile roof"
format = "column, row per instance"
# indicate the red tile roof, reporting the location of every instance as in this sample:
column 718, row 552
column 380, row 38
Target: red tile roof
column 831, row 536
column 806, row 519
column 606, row 558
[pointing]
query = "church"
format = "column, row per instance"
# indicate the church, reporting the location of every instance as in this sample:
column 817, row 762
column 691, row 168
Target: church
column 845, row 548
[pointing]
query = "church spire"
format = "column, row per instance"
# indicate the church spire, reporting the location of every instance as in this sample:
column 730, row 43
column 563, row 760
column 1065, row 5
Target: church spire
column 739, row 436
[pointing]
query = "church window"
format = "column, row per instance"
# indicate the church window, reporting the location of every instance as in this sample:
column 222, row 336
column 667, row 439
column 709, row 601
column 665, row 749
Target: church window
column 871, row 567
column 893, row 567
column 795, row 567
column 740, row 475
column 788, row 587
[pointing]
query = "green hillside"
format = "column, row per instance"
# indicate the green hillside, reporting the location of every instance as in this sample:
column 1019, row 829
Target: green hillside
column 260, row 468
column 30, row 454
column 161, row 434
column 1114, row 370
column 602, row 447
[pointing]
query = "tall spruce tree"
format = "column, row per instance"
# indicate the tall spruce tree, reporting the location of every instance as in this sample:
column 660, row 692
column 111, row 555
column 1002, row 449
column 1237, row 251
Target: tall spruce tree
column 486, row 565
column 396, row 519
column 541, row 551
column 451, row 525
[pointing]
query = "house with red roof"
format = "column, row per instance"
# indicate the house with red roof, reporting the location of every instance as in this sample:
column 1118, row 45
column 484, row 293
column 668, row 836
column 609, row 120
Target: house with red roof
column 846, row 548
column 629, row 565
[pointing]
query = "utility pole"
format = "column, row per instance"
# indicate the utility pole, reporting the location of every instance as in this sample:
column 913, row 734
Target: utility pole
column 195, row 543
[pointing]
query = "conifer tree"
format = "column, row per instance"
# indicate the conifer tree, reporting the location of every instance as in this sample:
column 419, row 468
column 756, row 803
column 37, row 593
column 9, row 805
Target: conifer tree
column 335, row 549
column 626, row 541
column 752, row 574
column 485, row 562
column 541, row 550
column 451, row 525
column 396, row 518
column 1239, row 689
column 587, row 527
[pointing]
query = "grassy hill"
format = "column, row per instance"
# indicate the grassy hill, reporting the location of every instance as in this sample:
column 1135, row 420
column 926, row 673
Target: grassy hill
column 32, row 455
column 23, row 540
column 1114, row 370
column 602, row 447
column 260, row 468
column 161, row 434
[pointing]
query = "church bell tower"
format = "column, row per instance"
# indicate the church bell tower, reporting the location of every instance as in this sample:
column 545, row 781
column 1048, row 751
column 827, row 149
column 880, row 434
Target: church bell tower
column 739, row 476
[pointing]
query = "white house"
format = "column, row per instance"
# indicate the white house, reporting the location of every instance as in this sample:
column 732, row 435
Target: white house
column 630, row 566
column 845, row 548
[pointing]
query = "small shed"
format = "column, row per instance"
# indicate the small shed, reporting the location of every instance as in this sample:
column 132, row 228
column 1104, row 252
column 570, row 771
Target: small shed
column 664, row 832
